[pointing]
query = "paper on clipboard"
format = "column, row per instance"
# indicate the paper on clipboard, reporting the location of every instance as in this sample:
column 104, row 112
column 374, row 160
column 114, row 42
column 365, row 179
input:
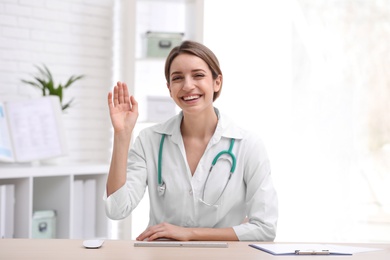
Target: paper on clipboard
column 289, row 249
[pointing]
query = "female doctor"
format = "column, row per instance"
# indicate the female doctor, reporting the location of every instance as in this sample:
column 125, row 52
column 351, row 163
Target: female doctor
column 207, row 178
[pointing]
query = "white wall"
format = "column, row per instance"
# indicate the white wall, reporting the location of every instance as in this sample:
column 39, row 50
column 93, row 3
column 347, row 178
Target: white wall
column 254, row 49
column 291, row 73
column 71, row 37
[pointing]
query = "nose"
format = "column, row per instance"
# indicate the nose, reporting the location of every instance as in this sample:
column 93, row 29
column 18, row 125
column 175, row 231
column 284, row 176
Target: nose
column 188, row 83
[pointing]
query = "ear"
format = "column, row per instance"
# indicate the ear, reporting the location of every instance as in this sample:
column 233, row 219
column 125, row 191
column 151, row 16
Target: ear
column 218, row 83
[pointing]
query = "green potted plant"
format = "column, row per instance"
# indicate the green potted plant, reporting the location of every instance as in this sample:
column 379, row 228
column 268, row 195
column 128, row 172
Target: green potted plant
column 46, row 84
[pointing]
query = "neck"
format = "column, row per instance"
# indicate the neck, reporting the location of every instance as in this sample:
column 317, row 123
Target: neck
column 200, row 126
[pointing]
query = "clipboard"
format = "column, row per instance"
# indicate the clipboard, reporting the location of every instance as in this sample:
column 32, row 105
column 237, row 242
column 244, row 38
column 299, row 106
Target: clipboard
column 310, row 249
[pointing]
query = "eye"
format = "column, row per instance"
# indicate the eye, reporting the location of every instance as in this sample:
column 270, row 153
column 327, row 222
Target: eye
column 199, row 75
column 176, row 78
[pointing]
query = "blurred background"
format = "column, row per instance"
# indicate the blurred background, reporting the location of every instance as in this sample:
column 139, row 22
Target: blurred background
column 309, row 76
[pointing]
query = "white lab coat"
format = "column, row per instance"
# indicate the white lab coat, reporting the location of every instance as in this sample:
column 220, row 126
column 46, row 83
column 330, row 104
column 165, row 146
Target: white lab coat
column 249, row 193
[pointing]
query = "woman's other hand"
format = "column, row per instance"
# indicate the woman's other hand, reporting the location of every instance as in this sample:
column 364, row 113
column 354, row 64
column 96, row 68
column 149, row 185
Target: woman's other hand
column 165, row 230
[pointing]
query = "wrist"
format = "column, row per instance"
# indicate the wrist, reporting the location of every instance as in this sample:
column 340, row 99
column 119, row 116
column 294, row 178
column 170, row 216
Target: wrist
column 122, row 136
column 192, row 234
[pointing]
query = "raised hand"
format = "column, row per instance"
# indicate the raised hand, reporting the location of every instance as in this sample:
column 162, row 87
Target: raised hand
column 123, row 109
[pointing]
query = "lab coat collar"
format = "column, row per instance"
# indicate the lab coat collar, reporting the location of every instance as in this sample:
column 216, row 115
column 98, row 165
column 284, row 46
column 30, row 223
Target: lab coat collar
column 225, row 128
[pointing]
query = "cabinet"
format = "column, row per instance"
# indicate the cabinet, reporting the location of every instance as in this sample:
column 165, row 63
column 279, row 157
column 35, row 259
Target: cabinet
column 172, row 16
column 53, row 188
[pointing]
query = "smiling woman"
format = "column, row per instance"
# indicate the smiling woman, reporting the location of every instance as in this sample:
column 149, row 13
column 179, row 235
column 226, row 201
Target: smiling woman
column 189, row 201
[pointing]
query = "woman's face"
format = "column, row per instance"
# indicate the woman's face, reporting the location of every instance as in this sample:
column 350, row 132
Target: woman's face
column 191, row 83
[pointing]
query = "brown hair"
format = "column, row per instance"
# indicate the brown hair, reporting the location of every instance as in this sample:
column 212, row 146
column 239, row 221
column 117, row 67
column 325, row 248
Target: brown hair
column 199, row 50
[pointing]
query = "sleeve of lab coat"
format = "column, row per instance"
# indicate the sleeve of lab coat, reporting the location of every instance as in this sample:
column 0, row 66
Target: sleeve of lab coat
column 122, row 202
column 261, row 198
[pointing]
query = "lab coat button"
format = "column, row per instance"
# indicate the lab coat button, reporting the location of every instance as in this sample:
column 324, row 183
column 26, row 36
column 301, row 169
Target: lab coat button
column 191, row 192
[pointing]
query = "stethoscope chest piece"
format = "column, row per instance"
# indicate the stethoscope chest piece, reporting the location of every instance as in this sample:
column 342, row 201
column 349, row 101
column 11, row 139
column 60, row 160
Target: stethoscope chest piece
column 161, row 189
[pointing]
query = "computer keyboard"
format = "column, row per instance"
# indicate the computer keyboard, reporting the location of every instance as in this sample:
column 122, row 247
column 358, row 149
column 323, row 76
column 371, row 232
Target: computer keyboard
column 166, row 243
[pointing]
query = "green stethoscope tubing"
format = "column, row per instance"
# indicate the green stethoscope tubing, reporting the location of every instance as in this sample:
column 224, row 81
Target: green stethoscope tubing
column 229, row 152
column 159, row 178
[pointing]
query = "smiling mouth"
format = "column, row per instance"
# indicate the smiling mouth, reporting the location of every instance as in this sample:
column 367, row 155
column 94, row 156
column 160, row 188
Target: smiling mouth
column 189, row 98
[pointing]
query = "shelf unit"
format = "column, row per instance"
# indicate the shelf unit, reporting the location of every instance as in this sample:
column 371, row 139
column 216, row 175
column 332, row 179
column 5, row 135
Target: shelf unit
column 52, row 188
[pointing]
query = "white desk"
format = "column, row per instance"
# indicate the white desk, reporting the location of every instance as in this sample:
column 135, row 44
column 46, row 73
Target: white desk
column 58, row 249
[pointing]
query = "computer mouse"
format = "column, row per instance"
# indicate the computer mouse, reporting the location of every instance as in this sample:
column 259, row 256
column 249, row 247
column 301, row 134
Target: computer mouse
column 93, row 243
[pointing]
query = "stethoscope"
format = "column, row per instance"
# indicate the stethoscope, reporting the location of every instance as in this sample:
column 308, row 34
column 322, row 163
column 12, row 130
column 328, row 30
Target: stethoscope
column 161, row 184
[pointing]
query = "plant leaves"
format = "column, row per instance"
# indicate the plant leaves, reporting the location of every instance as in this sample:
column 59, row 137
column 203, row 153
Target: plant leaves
column 32, row 83
column 67, row 105
column 72, row 79
column 45, row 82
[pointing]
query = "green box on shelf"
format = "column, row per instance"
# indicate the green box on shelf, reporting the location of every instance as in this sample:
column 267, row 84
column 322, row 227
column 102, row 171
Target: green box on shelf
column 44, row 224
column 159, row 44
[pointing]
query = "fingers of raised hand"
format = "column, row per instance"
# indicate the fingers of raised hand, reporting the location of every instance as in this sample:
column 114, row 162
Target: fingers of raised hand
column 121, row 92
column 110, row 105
column 120, row 95
column 134, row 104
column 116, row 96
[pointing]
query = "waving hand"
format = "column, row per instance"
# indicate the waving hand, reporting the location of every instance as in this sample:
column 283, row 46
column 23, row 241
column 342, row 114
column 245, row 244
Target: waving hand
column 123, row 109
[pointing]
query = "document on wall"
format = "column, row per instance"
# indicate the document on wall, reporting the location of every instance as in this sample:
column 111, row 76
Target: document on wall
column 31, row 129
column 311, row 249
column 6, row 151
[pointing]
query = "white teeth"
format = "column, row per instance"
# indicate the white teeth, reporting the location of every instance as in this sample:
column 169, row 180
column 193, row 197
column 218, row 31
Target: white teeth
column 190, row 97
